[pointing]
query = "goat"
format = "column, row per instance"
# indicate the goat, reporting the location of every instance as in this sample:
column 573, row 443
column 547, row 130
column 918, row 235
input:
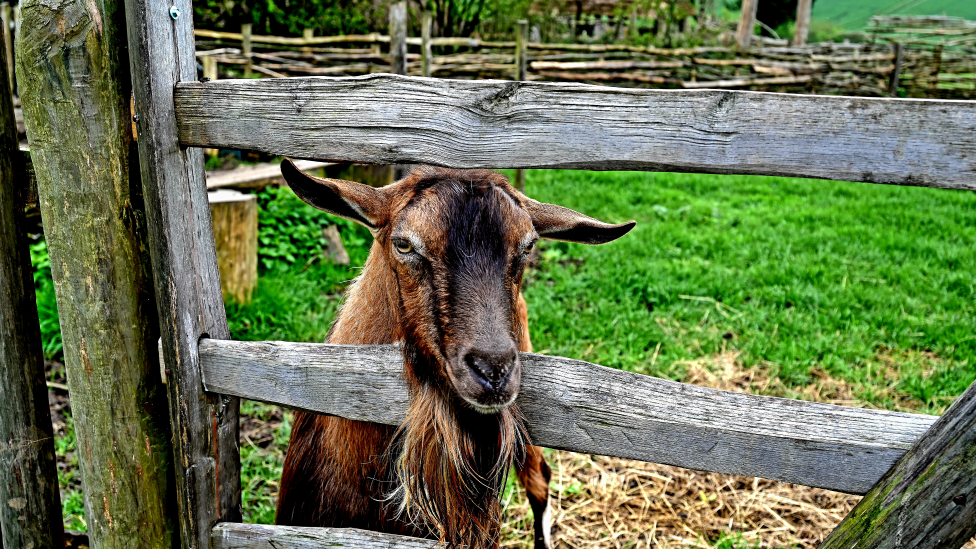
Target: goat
column 443, row 279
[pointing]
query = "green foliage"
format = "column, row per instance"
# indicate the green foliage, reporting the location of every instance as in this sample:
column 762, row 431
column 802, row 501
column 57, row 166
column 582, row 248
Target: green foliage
column 291, row 17
column 290, row 230
column 47, row 305
column 261, row 467
column 72, row 499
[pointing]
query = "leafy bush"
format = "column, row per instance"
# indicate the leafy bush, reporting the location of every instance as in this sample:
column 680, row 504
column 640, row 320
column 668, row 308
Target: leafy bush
column 290, row 17
column 290, row 231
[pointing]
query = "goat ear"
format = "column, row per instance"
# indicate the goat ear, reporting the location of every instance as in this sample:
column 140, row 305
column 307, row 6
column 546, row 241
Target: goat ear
column 355, row 201
column 558, row 223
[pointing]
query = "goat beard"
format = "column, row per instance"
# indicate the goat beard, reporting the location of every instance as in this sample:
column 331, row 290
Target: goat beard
column 449, row 473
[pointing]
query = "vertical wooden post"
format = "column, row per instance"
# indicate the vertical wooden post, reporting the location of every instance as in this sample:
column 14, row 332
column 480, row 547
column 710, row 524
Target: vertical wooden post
column 425, row 51
column 30, row 505
column 207, row 451
column 521, row 49
column 927, row 500
column 521, row 66
column 6, row 15
column 246, row 48
column 747, row 23
column 803, row 9
column 76, row 109
column 235, row 223
column 308, row 34
column 632, row 30
column 896, row 74
column 398, row 37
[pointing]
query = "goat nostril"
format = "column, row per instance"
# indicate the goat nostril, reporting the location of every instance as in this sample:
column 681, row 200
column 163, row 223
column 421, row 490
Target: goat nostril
column 493, row 368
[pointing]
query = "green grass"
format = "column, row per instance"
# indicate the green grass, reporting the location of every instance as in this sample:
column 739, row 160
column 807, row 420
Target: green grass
column 799, row 274
column 854, row 15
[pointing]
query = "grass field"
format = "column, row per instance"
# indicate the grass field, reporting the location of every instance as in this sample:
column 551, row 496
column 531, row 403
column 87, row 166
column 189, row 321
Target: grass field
column 854, row 15
column 872, row 287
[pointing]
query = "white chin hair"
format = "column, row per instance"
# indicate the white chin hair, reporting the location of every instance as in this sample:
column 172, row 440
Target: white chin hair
column 489, row 410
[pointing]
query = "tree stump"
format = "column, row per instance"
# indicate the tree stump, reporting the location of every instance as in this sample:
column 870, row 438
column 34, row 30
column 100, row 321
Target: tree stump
column 235, row 224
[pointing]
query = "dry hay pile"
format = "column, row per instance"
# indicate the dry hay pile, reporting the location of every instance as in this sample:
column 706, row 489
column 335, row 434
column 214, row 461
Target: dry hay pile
column 601, row 502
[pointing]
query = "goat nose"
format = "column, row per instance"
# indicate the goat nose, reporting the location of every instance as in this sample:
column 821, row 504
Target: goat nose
column 491, row 367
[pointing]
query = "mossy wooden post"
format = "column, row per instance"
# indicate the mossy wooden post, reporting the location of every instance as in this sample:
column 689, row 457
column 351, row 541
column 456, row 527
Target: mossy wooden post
column 206, row 448
column 927, row 500
column 747, row 23
column 74, row 75
column 30, row 505
column 521, row 68
column 425, row 52
column 246, row 48
column 803, row 9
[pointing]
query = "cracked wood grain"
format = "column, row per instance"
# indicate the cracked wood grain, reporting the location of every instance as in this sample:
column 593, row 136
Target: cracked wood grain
column 494, row 124
column 583, row 407
column 204, row 427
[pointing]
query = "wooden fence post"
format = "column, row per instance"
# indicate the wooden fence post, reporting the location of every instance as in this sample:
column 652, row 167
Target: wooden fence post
column 207, row 455
column 77, row 112
column 246, row 48
column 747, row 23
column 425, row 51
column 308, row 34
column 896, row 74
column 398, row 37
column 30, row 505
column 927, row 500
column 235, row 223
column 521, row 66
column 803, row 9
column 6, row 15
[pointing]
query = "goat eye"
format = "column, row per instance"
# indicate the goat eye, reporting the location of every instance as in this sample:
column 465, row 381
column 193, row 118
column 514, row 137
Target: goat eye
column 403, row 246
column 529, row 248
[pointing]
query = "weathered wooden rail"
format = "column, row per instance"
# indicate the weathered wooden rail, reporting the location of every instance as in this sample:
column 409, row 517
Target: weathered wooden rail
column 574, row 405
column 395, row 119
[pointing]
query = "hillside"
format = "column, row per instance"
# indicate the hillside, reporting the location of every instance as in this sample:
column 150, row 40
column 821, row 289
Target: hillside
column 854, row 15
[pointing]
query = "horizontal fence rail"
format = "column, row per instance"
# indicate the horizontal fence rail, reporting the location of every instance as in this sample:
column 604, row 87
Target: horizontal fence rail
column 391, row 119
column 260, row 536
column 582, row 407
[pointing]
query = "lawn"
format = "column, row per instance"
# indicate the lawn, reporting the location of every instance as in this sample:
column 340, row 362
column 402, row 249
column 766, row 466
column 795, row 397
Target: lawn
column 871, row 286
column 854, row 15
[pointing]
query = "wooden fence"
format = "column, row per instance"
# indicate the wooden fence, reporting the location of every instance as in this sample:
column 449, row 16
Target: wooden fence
column 864, row 69
column 916, row 471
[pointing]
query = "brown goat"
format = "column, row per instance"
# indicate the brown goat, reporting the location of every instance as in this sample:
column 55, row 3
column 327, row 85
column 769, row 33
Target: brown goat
column 443, row 279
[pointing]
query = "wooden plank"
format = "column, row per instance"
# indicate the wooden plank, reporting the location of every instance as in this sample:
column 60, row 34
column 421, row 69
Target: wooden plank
column 256, row 176
column 204, row 428
column 521, row 51
column 262, row 536
column 573, row 405
column 386, row 119
column 744, row 82
column 425, row 52
column 30, row 505
column 928, row 499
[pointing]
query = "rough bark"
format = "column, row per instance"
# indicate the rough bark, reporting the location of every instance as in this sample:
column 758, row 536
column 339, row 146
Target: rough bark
column 74, row 74
column 30, row 505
